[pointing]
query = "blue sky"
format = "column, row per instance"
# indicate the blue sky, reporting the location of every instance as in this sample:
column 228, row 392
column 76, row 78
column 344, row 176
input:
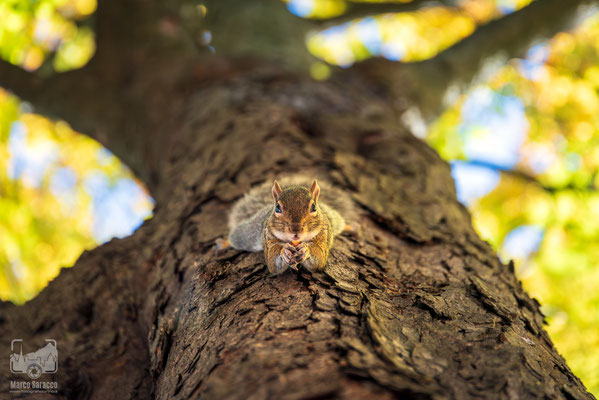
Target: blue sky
column 29, row 162
column 115, row 205
column 493, row 128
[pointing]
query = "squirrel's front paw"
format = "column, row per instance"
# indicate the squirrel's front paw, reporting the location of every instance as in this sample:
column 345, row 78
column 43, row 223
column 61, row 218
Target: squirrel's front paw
column 302, row 253
column 288, row 254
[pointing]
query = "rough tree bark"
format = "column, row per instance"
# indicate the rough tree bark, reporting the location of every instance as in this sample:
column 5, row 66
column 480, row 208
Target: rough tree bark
column 416, row 306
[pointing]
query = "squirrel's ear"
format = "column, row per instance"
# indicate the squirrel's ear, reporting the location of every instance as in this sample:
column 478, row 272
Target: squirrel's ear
column 315, row 190
column 276, row 191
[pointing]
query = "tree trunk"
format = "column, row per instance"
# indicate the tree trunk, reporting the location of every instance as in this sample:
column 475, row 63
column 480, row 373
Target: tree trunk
column 415, row 306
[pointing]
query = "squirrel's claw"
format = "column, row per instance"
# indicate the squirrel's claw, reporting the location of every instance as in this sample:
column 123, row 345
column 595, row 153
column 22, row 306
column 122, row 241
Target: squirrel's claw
column 288, row 254
column 294, row 255
column 302, row 252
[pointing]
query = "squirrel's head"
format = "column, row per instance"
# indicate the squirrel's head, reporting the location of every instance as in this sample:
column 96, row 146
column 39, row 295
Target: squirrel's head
column 296, row 214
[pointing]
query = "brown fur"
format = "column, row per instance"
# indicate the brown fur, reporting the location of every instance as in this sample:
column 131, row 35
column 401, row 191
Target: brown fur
column 296, row 235
column 314, row 228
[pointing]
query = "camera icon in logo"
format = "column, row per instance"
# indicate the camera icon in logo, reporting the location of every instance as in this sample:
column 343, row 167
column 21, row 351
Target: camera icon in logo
column 42, row 361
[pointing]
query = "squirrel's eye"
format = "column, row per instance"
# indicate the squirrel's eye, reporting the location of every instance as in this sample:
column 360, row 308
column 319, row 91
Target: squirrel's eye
column 313, row 208
column 278, row 208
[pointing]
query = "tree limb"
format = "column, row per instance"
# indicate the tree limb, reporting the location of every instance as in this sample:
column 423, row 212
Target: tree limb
column 427, row 81
column 360, row 10
column 134, row 64
column 525, row 176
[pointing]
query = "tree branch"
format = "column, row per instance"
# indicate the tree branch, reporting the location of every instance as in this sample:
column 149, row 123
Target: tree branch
column 426, row 82
column 134, row 64
column 360, row 10
column 87, row 100
column 525, row 176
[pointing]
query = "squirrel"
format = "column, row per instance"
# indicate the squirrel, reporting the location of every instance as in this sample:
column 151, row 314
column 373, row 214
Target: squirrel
column 293, row 226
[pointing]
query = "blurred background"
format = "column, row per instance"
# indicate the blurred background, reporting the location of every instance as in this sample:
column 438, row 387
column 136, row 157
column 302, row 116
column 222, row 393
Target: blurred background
column 523, row 143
